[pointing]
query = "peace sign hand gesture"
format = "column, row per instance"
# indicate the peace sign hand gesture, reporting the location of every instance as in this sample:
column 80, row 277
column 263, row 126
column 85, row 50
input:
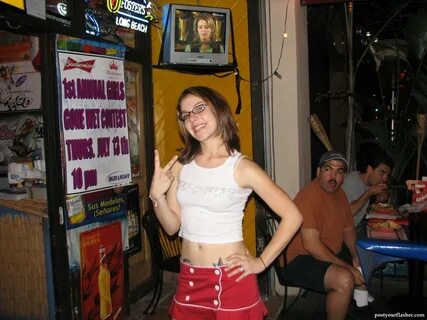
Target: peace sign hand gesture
column 162, row 177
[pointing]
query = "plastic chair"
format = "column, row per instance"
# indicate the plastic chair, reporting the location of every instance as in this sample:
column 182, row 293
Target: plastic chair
column 165, row 253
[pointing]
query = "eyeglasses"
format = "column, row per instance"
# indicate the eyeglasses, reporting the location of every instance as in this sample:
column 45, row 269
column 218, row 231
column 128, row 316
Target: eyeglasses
column 197, row 109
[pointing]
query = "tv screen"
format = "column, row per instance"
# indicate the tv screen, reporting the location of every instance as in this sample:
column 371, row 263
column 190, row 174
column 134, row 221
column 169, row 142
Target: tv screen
column 195, row 35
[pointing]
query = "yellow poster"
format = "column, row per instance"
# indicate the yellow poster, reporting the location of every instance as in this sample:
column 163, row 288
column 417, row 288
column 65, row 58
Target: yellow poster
column 16, row 3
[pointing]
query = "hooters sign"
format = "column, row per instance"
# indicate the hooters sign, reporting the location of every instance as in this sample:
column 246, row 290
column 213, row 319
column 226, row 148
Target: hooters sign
column 114, row 5
column 132, row 14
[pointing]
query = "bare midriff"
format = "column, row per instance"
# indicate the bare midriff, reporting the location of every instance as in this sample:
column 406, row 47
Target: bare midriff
column 209, row 254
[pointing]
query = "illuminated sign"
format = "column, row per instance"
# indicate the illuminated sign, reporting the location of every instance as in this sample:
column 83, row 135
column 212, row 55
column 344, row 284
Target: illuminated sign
column 16, row 3
column 131, row 14
column 59, row 10
column 114, row 5
column 62, row 9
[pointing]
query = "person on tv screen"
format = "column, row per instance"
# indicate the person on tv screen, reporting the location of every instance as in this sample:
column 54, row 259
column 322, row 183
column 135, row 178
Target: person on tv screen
column 202, row 195
column 204, row 35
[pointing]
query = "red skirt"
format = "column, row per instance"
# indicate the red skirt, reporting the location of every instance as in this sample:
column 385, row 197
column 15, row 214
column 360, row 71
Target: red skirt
column 205, row 293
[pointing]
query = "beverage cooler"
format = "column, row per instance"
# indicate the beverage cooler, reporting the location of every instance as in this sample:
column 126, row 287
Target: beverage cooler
column 74, row 133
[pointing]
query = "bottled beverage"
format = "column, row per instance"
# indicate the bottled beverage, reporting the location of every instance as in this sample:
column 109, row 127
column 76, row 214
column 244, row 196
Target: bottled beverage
column 105, row 305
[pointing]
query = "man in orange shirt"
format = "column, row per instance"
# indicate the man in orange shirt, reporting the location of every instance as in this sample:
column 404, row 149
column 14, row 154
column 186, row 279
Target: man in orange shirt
column 314, row 258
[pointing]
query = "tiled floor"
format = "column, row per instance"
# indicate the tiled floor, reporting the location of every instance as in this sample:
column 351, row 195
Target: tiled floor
column 137, row 309
column 308, row 306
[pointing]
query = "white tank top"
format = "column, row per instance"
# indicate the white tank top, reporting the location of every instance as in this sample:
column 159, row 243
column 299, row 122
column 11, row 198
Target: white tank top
column 211, row 202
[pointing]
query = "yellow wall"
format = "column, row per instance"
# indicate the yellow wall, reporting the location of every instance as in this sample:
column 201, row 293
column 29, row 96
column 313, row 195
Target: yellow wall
column 168, row 84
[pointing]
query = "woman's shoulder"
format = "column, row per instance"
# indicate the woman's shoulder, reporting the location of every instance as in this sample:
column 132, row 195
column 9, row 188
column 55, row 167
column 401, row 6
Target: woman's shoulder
column 176, row 168
column 244, row 164
column 236, row 156
column 248, row 173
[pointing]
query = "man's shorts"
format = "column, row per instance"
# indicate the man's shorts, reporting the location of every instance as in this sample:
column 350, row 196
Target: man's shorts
column 307, row 272
column 208, row 293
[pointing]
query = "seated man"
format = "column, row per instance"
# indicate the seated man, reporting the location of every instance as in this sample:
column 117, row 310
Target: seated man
column 375, row 167
column 315, row 258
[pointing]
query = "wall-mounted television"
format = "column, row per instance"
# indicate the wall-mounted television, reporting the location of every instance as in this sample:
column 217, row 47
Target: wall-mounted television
column 195, row 35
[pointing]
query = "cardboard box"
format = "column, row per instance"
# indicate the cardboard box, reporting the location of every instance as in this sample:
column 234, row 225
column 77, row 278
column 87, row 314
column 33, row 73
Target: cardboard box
column 419, row 194
column 39, row 191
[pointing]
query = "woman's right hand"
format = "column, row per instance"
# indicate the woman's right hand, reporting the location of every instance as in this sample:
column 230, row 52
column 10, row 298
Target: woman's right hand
column 162, row 177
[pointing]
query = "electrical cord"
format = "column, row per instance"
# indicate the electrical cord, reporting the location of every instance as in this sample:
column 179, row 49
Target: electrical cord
column 284, row 36
column 275, row 72
column 236, row 71
column 223, row 75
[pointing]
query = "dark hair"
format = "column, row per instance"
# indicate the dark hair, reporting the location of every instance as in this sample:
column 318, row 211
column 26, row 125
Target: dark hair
column 372, row 155
column 226, row 128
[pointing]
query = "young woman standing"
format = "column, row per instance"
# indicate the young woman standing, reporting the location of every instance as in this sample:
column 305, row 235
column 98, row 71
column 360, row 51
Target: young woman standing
column 202, row 194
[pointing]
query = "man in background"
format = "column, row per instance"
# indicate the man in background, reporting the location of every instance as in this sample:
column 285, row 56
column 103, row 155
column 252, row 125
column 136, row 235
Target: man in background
column 315, row 258
column 371, row 180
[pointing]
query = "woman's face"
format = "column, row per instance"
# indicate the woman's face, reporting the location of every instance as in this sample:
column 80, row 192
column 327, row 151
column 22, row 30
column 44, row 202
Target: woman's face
column 201, row 125
column 204, row 31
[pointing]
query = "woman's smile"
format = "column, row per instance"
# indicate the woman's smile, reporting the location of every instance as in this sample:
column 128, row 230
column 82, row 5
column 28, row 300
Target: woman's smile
column 198, row 127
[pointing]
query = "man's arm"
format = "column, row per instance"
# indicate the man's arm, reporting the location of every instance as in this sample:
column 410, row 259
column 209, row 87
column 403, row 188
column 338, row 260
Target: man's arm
column 318, row 249
column 357, row 204
column 350, row 237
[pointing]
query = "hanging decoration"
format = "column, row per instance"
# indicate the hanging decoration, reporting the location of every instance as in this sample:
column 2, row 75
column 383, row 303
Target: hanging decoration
column 319, row 130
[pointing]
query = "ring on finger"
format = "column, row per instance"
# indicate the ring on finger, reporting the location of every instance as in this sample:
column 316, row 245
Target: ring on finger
column 242, row 269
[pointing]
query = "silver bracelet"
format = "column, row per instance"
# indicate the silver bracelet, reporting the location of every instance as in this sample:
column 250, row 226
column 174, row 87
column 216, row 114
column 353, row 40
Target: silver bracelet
column 156, row 203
